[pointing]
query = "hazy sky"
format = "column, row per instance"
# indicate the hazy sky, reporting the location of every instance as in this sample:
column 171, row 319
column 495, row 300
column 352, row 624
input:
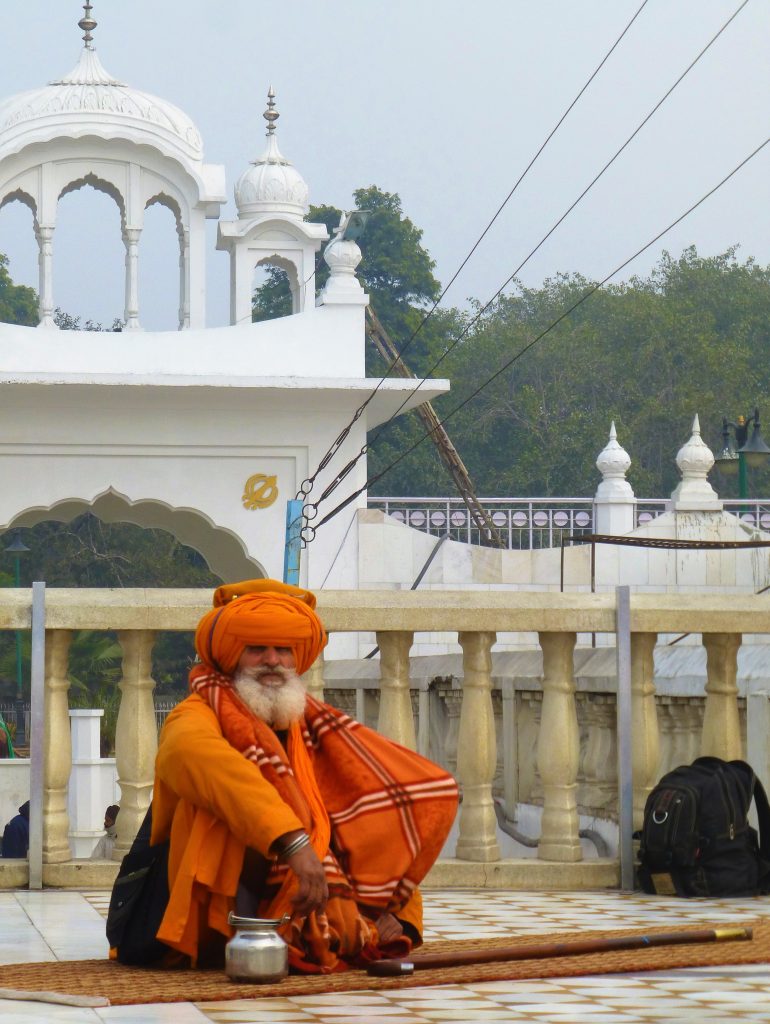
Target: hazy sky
column 442, row 101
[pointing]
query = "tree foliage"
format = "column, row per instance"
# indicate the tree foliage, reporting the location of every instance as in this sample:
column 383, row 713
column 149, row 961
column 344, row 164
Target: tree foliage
column 649, row 354
column 18, row 303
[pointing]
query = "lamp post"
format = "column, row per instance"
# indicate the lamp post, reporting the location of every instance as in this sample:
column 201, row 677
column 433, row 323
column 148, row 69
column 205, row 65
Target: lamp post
column 746, row 451
column 17, row 549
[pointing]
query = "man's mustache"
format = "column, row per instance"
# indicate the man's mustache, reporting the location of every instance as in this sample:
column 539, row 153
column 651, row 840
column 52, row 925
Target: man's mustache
column 257, row 671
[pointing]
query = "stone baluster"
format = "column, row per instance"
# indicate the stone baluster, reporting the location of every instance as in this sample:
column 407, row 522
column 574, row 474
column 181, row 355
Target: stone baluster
column 453, row 702
column 691, row 710
column 131, row 241
column 645, row 756
column 314, row 678
column 558, row 750
column 681, row 740
column 530, row 783
column 57, row 746
column 44, row 237
column 476, row 751
column 667, row 738
column 136, row 738
column 396, row 720
column 721, row 726
column 598, row 792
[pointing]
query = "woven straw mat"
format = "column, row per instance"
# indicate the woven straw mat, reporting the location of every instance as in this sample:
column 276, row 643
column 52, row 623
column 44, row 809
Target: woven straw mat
column 127, row 985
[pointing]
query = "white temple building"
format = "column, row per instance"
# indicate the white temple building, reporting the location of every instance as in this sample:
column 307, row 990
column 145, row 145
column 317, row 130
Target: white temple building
column 203, row 432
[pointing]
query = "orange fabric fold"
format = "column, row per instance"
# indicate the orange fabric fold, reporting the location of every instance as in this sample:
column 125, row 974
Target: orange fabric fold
column 266, row 618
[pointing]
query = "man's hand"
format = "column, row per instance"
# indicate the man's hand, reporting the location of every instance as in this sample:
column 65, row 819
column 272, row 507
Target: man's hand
column 388, row 928
column 313, row 891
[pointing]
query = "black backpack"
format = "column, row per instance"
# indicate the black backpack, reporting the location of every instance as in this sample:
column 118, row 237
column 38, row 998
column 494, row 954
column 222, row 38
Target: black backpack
column 696, row 839
column 139, row 900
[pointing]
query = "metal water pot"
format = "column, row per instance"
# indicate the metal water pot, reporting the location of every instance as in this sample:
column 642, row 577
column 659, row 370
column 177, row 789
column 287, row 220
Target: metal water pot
column 256, row 953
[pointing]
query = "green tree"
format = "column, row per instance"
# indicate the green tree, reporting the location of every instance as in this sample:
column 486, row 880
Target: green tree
column 397, row 273
column 649, row 354
column 18, row 303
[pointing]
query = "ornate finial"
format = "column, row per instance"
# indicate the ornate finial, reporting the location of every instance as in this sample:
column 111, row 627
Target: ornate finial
column 271, row 115
column 87, row 24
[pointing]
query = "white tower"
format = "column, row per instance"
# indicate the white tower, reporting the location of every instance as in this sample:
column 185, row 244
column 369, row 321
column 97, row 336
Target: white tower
column 272, row 200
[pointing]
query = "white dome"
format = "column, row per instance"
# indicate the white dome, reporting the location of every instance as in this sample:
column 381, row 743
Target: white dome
column 272, row 184
column 89, row 101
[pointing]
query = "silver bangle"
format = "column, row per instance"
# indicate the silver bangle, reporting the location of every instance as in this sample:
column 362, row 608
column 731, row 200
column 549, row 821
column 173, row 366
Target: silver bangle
column 295, row 846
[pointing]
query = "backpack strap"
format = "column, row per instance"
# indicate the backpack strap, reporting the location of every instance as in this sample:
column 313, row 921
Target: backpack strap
column 757, row 790
column 763, row 817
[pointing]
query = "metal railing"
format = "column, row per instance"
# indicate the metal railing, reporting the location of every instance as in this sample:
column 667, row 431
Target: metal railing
column 527, row 523
column 522, row 522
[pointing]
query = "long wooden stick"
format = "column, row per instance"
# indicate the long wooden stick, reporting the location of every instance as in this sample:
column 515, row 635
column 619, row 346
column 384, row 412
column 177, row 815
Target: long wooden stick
column 541, row 950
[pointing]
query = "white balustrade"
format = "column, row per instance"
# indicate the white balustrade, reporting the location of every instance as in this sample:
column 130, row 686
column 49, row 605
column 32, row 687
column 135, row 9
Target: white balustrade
column 545, row 718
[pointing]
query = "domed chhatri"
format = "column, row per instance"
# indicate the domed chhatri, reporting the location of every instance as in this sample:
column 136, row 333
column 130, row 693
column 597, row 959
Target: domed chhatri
column 89, row 101
column 271, row 184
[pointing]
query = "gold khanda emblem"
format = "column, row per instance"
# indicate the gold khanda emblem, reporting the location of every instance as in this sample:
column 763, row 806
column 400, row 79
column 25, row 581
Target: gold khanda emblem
column 260, row 491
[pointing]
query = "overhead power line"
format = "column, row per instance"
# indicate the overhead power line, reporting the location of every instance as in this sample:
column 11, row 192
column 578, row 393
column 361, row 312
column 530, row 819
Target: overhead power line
column 567, row 212
column 307, row 484
column 539, row 337
column 365, row 447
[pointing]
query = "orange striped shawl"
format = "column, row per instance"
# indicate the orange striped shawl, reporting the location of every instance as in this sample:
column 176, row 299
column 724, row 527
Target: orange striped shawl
column 377, row 814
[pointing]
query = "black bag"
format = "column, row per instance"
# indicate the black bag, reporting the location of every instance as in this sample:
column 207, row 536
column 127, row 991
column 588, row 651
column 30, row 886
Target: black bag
column 139, row 900
column 696, row 839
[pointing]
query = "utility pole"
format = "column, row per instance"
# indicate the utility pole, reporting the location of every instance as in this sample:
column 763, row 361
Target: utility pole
column 446, row 450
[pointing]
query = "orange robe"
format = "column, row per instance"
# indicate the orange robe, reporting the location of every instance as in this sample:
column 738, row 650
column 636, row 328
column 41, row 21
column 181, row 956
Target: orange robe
column 213, row 802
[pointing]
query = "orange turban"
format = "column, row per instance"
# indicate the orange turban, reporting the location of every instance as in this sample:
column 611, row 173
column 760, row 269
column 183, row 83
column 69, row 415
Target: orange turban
column 258, row 613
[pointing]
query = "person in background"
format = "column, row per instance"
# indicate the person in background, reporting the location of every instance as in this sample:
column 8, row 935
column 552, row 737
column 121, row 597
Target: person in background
column 6, row 743
column 16, row 834
column 103, row 849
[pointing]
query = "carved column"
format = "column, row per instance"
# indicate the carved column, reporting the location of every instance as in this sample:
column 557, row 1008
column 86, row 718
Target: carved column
column 44, row 237
column 314, row 678
column 645, row 757
column 453, row 702
column 57, row 746
column 131, row 241
column 530, row 783
column 691, row 712
column 396, row 720
column 477, row 751
column 136, row 738
column 184, row 279
column 721, row 726
column 598, row 787
column 558, row 751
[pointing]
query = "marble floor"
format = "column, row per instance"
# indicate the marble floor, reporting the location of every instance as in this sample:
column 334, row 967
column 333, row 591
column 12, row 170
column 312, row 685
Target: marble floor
column 57, row 925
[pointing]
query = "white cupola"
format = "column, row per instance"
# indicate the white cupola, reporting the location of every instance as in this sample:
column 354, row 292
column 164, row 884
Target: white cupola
column 87, row 128
column 272, row 184
column 272, row 200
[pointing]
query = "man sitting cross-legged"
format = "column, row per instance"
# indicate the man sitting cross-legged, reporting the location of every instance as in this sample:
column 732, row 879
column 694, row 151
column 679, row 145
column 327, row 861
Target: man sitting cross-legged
column 277, row 803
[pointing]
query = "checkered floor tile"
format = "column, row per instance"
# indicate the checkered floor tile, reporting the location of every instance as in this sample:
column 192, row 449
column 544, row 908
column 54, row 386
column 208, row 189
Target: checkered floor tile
column 67, row 925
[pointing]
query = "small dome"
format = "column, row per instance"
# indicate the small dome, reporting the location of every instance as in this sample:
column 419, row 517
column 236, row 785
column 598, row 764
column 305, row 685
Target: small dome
column 89, row 101
column 613, row 461
column 271, row 184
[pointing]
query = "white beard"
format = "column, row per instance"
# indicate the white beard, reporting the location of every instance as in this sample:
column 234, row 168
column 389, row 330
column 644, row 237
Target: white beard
column 278, row 706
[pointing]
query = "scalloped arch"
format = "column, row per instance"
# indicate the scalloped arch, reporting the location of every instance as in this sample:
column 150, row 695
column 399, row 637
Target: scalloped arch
column 19, row 195
column 222, row 549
